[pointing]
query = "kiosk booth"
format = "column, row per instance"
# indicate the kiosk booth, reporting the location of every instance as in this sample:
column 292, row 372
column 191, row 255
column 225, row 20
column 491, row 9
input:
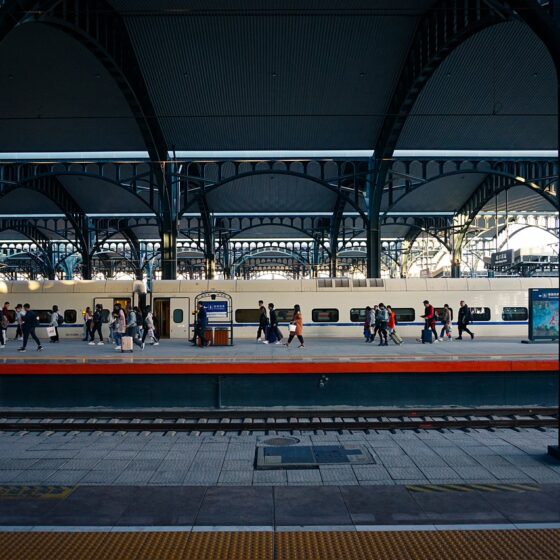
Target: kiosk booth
column 219, row 310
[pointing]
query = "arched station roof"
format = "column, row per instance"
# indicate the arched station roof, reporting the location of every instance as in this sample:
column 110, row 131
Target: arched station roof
column 212, row 76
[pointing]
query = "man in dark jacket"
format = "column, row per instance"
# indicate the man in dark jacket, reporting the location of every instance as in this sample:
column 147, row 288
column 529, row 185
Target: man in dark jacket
column 464, row 318
column 201, row 325
column 274, row 333
column 263, row 322
column 30, row 322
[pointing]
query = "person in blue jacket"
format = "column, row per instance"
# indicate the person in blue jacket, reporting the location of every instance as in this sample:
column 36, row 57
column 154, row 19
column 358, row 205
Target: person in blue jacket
column 201, row 325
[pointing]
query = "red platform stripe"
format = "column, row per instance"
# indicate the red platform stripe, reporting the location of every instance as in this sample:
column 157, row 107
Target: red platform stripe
column 252, row 368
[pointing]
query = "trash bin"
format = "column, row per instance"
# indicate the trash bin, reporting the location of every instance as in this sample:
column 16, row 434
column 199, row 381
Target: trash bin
column 221, row 337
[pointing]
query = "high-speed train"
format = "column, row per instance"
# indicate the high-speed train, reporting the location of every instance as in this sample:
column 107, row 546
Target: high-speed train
column 330, row 307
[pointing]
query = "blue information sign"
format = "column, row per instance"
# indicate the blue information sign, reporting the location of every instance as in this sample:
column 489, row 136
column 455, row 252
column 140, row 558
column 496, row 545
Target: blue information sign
column 543, row 314
column 216, row 309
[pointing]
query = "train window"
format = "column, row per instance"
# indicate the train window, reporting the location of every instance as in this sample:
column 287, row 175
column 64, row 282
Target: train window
column 480, row 313
column 284, row 315
column 515, row 314
column 43, row 315
column 70, row 316
column 247, row 315
column 358, row 314
column 177, row 315
column 324, row 315
column 404, row 314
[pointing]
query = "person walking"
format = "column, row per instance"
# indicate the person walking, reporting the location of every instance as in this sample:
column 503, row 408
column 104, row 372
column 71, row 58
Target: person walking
column 297, row 329
column 274, row 334
column 392, row 322
column 263, row 322
column 200, row 326
column 55, row 321
column 368, row 322
column 19, row 322
column 375, row 316
column 149, row 327
column 30, row 323
column 430, row 318
column 446, row 319
column 96, row 325
column 132, row 326
column 463, row 320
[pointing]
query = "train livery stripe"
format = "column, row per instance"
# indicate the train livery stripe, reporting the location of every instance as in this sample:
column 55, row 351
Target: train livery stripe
column 265, row 368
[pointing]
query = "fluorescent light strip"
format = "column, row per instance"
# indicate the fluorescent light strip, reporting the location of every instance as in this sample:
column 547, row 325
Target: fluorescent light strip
column 72, row 155
column 477, row 153
column 272, row 154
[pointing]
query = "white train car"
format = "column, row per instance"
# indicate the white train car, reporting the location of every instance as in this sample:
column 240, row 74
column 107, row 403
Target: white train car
column 330, row 307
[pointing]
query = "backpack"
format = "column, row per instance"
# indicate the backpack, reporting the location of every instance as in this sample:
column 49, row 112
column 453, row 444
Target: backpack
column 384, row 315
column 5, row 322
column 60, row 319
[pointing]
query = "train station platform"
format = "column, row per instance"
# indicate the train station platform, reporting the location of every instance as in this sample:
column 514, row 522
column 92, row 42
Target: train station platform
column 327, row 372
column 430, row 494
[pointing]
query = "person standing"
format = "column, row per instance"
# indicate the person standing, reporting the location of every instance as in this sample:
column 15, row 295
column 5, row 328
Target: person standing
column 5, row 321
column 201, row 325
column 96, row 325
column 368, row 320
column 30, row 322
column 463, row 320
column 430, row 318
column 55, row 320
column 297, row 321
column 446, row 318
column 120, row 329
column 383, row 324
column 88, row 317
column 263, row 322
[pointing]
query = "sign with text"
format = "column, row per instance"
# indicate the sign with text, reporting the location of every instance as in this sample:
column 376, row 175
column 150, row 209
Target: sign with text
column 502, row 258
column 543, row 314
column 216, row 309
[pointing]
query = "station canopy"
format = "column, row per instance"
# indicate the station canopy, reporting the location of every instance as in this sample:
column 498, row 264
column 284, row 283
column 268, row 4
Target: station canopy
column 297, row 80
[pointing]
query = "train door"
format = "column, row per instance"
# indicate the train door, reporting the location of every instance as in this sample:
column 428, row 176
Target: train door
column 160, row 310
column 172, row 317
column 109, row 304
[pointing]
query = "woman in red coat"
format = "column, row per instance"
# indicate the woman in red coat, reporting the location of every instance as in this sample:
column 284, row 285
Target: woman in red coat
column 297, row 321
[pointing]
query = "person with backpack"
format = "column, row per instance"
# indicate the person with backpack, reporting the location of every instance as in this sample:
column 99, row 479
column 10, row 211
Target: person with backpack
column 383, row 319
column 132, row 326
column 274, row 334
column 56, row 320
column 446, row 319
column 200, row 326
column 464, row 318
column 30, row 323
column 96, row 324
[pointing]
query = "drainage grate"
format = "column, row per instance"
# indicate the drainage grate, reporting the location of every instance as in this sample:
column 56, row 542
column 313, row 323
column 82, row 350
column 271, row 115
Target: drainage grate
column 280, row 441
column 311, row 456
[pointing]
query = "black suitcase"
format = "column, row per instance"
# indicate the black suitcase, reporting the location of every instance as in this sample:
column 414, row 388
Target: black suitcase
column 427, row 336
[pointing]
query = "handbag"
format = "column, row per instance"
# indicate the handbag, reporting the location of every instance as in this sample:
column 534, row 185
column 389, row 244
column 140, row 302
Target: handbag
column 51, row 331
column 293, row 328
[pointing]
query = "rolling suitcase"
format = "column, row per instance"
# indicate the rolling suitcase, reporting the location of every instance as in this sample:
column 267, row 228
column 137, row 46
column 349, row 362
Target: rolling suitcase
column 426, row 336
column 396, row 338
column 126, row 344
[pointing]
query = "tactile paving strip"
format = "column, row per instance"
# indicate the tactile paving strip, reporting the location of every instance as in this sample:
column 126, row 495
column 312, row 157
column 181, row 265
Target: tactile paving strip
column 543, row 544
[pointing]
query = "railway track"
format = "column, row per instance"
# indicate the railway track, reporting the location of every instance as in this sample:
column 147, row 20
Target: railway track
column 274, row 421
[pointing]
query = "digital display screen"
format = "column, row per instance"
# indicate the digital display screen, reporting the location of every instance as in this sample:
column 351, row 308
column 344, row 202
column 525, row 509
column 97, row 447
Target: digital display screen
column 543, row 314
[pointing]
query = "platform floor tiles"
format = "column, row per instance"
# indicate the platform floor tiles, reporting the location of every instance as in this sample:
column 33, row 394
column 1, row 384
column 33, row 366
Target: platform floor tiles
column 180, row 458
column 316, row 349
column 325, row 545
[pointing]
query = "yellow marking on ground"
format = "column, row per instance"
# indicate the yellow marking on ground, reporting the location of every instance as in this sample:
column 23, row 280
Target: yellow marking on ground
column 35, row 492
column 542, row 544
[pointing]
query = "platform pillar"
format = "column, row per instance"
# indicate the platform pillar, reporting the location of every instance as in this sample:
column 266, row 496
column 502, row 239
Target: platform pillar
column 374, row 223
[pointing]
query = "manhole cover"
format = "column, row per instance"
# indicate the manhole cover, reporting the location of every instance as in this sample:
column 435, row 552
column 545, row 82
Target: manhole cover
column 311, row 456
column 281, row 441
